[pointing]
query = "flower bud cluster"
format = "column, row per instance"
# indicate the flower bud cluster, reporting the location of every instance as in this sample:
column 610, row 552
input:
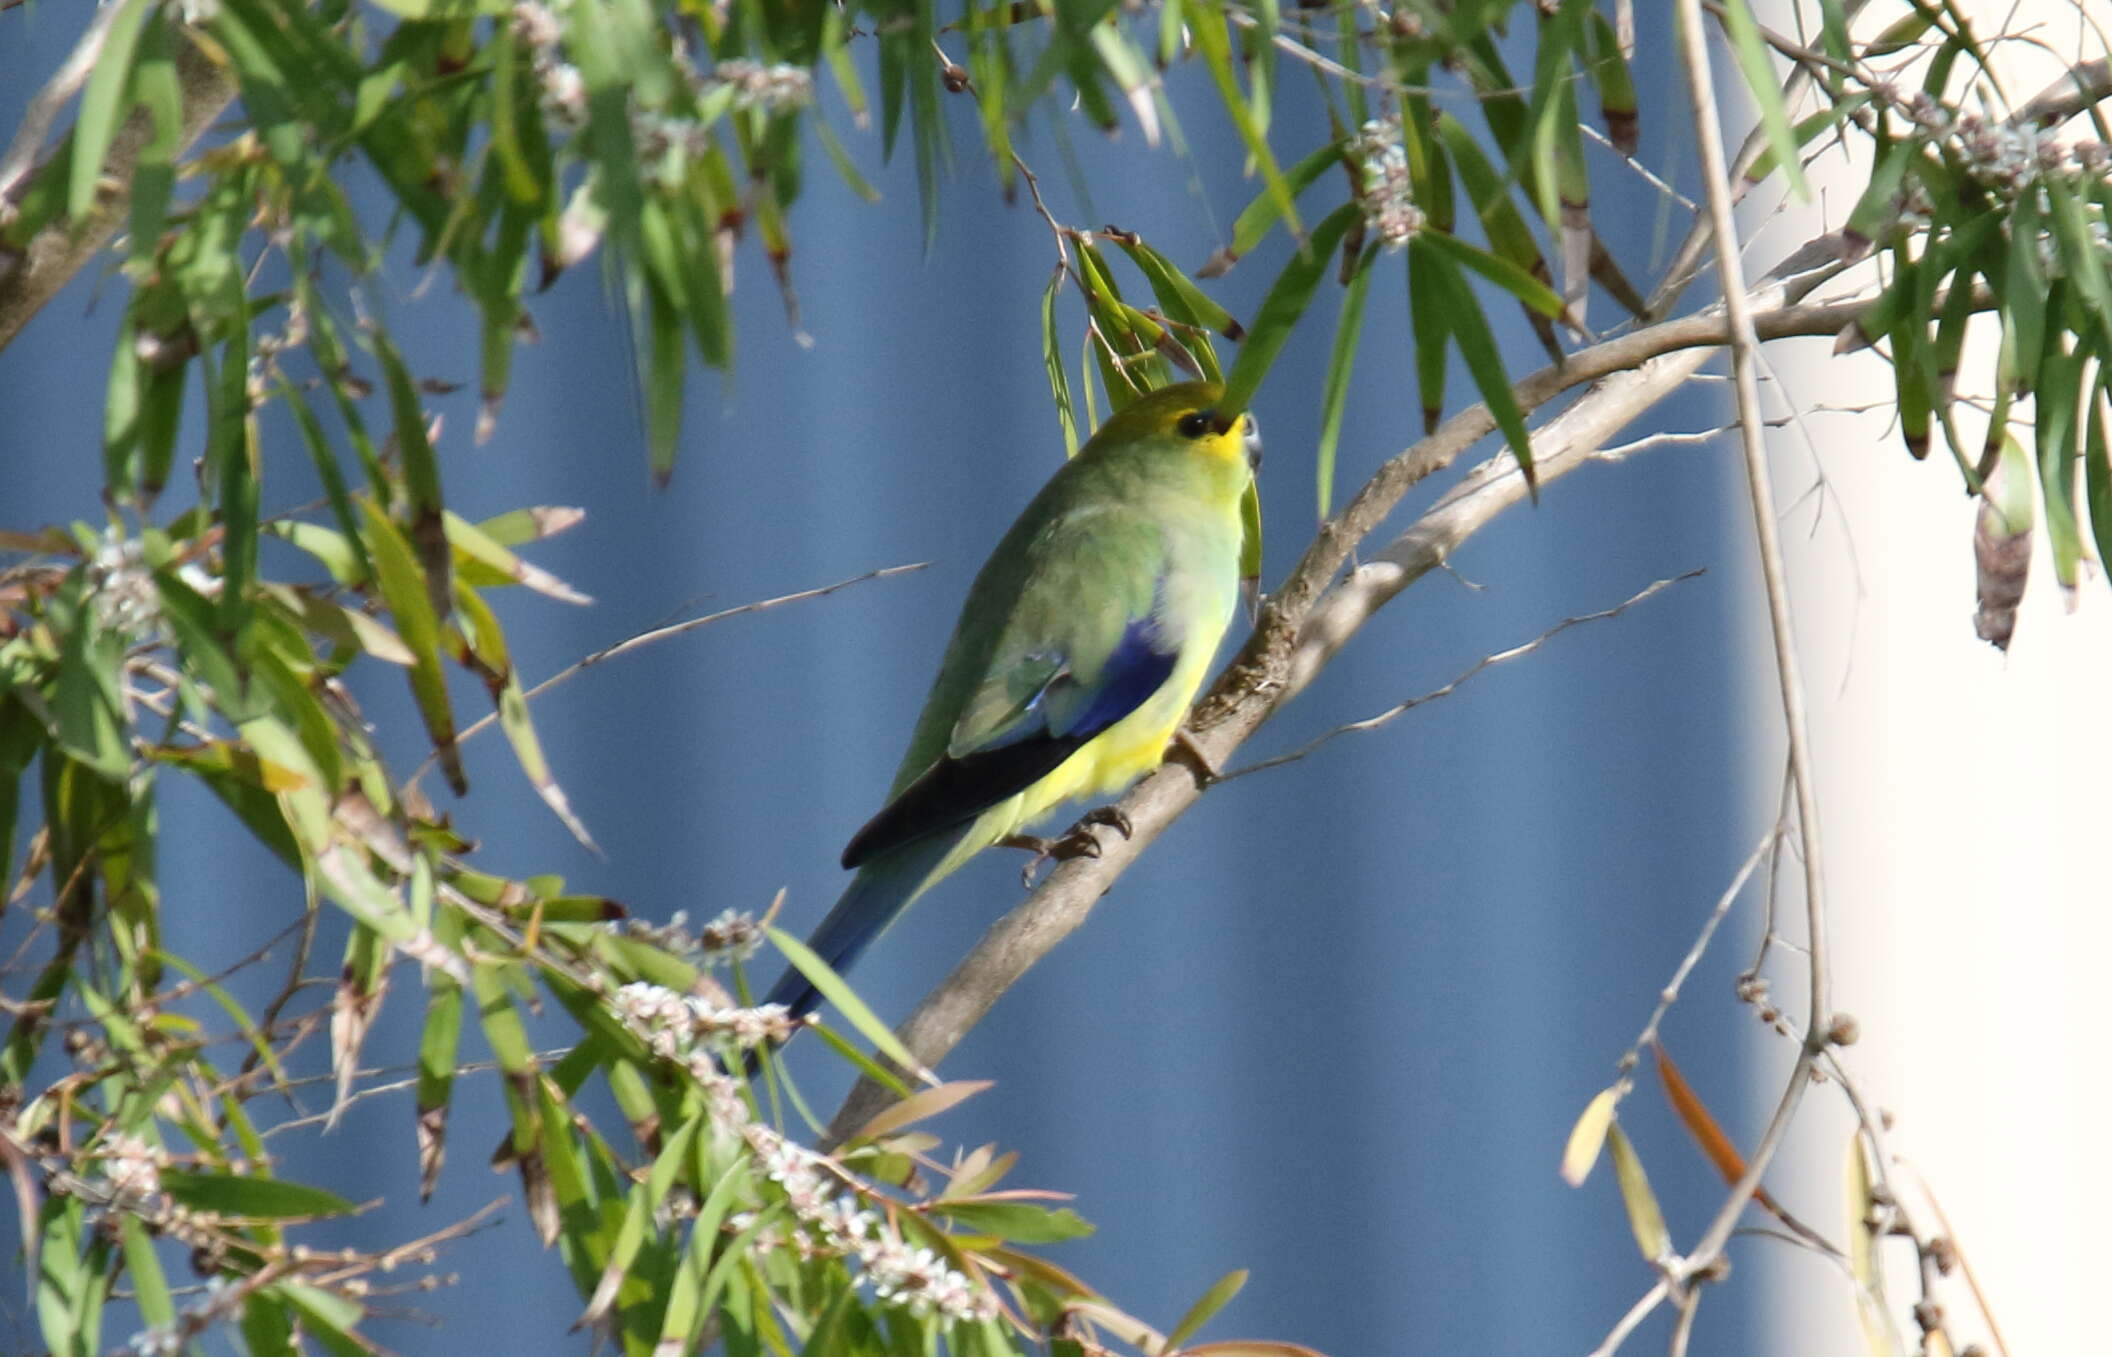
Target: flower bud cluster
column 733, row 936
column 2007, row 155
column 132, row 1167
column 913, row 1277
column 123, row 593
column 1384, row 191
column 831, row 1219
column 674, row 1025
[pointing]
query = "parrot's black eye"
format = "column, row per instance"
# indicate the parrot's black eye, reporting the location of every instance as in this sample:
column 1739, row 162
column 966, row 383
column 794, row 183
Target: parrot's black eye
column 1197, row 423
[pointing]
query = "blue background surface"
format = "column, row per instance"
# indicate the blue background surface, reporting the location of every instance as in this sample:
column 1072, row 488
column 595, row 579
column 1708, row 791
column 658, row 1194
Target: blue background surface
column 1334, row 1028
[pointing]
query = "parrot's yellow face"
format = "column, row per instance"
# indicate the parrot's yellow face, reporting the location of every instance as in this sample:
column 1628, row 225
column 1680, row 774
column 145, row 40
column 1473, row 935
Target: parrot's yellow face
column 1188, row 412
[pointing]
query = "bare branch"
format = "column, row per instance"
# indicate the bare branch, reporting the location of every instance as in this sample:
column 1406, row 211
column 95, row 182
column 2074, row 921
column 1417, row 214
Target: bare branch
column 2084, row 85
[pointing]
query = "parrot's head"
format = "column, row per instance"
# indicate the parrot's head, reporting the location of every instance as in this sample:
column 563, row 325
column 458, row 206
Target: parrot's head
column 1187, row 415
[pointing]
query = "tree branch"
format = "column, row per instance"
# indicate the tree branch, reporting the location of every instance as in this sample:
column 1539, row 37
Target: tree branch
column 1307, row 621
column 32, row 275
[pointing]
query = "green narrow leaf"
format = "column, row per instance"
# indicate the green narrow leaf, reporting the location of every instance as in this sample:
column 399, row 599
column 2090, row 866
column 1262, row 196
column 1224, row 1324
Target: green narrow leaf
column 150, row 1287
column 1877, row 210
column 1250, row 548
column 421, row 478
column 1501, row 221
column 1550, row 114
column 1912, row 360
column 1205, row 1308
column 594, row 47
column 663, row 384
column 2082, row 257
column 1342, row 359
column 2023, row 297
column 157, row 88
column 245, row 1194
column 123, row 395
column 1807, row 128
column 1427, row 319
column 86, row 700
column 1052, row 362
column 1287, row 299
column 1178, row 295
column 1477, row 348
column 1897, row 36
column 104, row 103
column 2059, row 425
column 1502, row 272
column 507, row 91
column 1833, row 36
column 1257, row 218
column 437, row 1044
column 403, row 589
column 1014, row 1221
column 857, row 1059
column 846, row 168
column 833, row 989
column 644, row 1201
column 2097, row 474
column 1207, row 30
column 508, row 1038
column 239, row 493
column 1615, row 83
column 359, row 569
column 1121, row 353
column 519, row 727
column 483, row 561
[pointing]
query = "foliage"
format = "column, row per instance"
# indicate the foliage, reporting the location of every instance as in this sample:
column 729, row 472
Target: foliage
column 516, row 141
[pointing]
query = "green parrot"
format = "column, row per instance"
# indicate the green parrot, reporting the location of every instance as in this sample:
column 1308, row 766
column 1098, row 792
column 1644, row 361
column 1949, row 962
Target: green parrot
column 1083, row 641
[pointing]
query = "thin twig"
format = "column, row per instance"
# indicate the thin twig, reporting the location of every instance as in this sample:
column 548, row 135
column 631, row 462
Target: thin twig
column 1669, row 995
column 1485, row 662
column 1627, row 1323
column 674, row 629
column 1745, row 344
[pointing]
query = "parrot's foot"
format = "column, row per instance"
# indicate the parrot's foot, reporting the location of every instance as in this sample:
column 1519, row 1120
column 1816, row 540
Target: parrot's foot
column 1205, row 771
column 1079, row 841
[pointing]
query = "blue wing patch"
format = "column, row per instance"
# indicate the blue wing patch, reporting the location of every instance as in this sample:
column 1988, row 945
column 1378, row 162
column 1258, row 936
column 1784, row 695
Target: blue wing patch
column 957, row 789
column 1135, row 670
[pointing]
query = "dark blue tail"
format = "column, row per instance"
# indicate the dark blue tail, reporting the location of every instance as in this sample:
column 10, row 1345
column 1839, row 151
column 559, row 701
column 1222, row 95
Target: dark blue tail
column 882, row 889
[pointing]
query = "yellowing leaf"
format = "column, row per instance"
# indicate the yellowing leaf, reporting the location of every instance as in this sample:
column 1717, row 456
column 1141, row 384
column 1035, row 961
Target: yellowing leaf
column 1644, row 1216
column 919, row 1105
column 1587, row 1136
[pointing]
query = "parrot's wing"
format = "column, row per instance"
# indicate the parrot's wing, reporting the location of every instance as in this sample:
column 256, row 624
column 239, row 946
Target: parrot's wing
column 1027, row 720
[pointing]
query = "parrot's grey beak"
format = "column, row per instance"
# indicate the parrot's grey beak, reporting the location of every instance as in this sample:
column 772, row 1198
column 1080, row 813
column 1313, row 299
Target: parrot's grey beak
column 1252, row 438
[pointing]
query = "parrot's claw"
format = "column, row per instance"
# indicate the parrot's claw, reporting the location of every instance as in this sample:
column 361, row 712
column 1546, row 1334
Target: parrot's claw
column 1112, row 816
column 1079, row 841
